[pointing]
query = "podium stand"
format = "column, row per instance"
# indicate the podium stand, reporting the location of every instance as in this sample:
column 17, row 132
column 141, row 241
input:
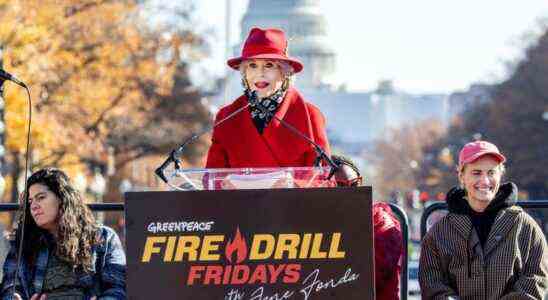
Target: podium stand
column 250, row 178
column 250, row 234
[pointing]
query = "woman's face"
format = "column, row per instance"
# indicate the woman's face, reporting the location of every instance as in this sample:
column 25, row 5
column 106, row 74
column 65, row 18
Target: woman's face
column 481, row 180
column 264, row 76
column 44, row 207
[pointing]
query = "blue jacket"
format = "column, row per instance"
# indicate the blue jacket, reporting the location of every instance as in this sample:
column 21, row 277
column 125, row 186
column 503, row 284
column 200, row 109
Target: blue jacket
column 107, row 280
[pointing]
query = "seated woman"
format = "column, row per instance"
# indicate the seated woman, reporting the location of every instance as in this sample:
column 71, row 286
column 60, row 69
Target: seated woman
column 252, row 138
column 66, row 255
column 486, row 247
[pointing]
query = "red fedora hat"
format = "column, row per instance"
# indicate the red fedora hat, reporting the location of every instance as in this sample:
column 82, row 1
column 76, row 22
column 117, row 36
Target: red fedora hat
column 267, row 43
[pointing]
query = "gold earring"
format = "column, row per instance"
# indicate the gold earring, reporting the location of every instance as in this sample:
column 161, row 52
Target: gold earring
column 245, row 84
column 285, row 84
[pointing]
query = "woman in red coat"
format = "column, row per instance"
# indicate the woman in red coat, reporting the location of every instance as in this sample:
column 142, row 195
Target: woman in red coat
column 251, row 138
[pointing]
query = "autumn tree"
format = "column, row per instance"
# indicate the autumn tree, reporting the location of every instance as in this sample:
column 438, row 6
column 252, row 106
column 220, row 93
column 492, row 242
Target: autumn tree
column 513, row 120
column 400, row 158
column 103, row 78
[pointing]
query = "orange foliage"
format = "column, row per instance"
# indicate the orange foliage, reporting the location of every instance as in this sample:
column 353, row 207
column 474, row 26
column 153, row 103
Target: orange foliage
column 91, row 66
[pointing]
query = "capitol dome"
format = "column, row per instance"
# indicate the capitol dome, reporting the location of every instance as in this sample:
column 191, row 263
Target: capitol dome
column 306, row 30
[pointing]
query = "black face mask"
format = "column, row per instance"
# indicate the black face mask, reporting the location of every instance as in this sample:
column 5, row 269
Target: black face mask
column 261, row 119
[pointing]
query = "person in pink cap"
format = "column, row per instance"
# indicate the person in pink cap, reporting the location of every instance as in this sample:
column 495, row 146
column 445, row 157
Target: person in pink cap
column 486, row 247
column 252, row 138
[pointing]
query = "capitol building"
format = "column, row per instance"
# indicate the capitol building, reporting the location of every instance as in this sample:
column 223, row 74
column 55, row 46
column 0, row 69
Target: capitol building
column 354, row 119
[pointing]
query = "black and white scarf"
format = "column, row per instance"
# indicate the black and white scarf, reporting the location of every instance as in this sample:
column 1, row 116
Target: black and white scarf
column 261, row 119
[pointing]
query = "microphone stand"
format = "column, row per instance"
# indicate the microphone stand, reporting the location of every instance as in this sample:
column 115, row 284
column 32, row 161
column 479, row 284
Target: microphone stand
column 5, row 76
column 175, row 154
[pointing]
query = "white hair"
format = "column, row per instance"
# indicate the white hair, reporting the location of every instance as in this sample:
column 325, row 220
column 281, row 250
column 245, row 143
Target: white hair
column 287, row 69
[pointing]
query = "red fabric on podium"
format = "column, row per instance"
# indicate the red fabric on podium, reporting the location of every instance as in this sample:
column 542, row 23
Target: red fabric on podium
column 388, row 252
column 236, row 143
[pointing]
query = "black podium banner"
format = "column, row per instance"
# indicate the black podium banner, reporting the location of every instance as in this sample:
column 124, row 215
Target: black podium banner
column 250, row 244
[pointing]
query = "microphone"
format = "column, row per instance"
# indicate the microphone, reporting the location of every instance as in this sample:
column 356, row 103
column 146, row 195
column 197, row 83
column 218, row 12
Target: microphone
column 7, row 76
column 178, row 152
column 254, row 101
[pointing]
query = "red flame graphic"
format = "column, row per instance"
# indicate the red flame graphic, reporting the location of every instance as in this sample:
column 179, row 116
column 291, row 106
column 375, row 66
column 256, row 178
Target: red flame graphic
column 238, row 245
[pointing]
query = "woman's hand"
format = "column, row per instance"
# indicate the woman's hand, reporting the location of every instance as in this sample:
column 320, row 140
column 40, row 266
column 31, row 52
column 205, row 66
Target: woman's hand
column 38, row 297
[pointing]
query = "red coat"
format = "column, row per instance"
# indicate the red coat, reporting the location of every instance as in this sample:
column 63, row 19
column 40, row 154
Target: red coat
column 388, row 252
column 236, row 143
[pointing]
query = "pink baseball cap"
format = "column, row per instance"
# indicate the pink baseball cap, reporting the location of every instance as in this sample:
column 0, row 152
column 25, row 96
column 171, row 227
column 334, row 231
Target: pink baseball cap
column 474, row 150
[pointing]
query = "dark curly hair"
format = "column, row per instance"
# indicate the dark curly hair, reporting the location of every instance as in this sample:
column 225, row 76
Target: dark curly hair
column 342, row 160
column 77, row 230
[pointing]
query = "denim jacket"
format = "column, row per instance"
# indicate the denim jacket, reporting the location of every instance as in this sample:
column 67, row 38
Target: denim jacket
column 107, row 280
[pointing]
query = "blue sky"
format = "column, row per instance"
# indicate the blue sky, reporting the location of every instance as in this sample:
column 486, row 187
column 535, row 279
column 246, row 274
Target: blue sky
column 423, row 45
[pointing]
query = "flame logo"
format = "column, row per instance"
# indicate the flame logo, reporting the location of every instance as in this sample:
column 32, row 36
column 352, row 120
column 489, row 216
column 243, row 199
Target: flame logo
column 238, row 245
